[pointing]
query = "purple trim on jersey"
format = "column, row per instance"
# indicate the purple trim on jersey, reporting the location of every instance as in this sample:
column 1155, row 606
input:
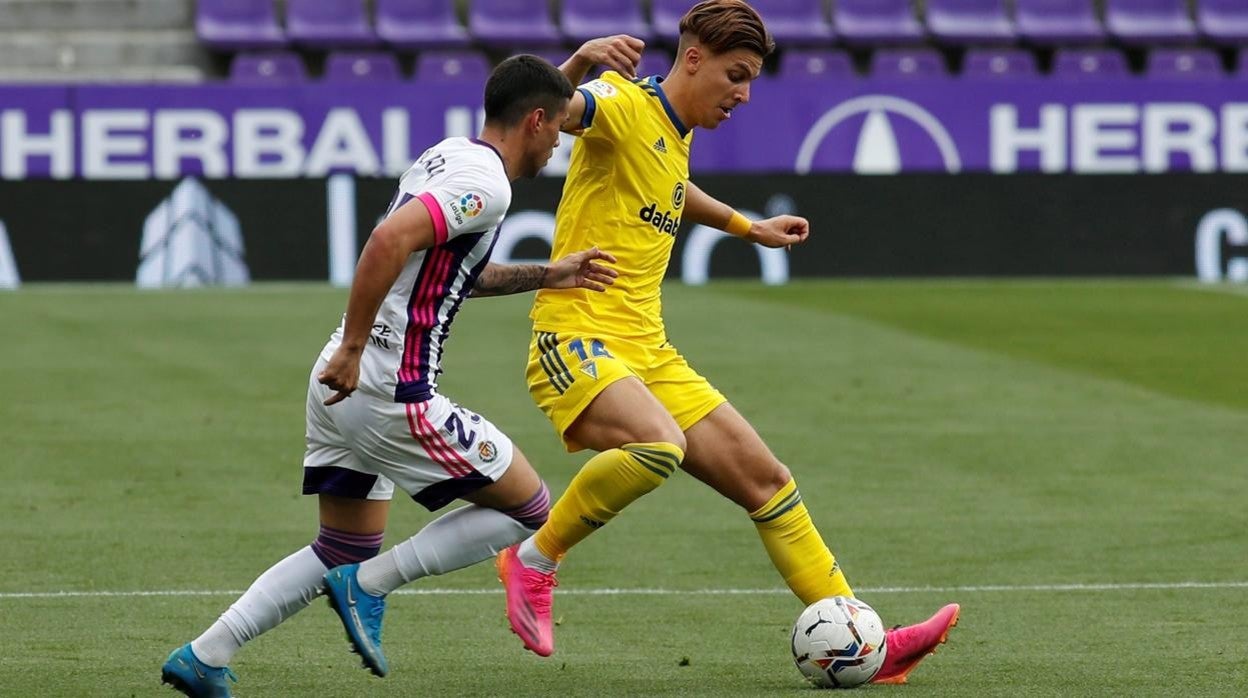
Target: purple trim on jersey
column 478, row 141
column 400, row 197
column 440, row 494
column 339, row 482
column 469, row 283
column 415, row 384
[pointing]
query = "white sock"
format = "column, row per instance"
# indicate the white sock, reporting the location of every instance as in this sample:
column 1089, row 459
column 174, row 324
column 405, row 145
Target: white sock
column 281, row 592
column 453, row 541
column 533, row 558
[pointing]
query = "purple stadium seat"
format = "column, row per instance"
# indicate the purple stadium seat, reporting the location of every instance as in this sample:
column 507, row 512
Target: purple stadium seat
column 1241, row 65
column 907, row 63
column 1223, row 21
column 815, row 64
column 998, row 63
column 1052, row 22
column 582, row 20
column 665, row 18
column 969, row 21
column 235, row 25
column 362, row 66
column 329, row 24
column 510, row 23
column 452, row 66
column 1184, row 63
column 875, row 22
column 796, row 22
column 1149, row 21
column 1091, row 63
column 267, row 68
column 417, row 24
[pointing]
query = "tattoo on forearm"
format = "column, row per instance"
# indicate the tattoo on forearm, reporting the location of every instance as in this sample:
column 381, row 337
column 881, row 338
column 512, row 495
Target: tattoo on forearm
column 504, row 279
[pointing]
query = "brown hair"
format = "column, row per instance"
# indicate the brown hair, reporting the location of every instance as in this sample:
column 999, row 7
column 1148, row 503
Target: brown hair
column 724, row 25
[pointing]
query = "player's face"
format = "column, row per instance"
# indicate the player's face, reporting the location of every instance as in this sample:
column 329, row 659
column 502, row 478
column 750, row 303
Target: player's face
column 545, row 140
column 724, row 84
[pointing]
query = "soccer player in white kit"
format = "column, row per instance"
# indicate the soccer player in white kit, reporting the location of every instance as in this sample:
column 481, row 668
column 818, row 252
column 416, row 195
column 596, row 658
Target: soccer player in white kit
column 375, row 418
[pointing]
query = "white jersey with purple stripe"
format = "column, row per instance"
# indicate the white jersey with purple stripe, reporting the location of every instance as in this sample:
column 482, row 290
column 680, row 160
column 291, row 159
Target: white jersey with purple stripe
column 464, row 186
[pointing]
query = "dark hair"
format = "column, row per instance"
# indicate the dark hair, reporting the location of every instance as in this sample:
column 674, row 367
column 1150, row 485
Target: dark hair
column 521, row 84
column 724, row 25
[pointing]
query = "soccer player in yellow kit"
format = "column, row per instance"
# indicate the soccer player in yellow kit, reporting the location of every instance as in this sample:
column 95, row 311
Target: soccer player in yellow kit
column 600, row 366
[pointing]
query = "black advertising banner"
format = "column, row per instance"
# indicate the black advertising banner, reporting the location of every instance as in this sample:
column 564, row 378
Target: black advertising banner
column 232, row 231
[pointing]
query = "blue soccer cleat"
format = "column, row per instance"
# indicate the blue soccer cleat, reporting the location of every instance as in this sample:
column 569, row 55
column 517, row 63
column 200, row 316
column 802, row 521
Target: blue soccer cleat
column 187, row 674
column 360, row 613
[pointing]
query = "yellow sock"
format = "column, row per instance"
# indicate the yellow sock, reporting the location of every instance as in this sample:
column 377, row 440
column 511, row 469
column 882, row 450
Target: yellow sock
column 606, row 484
column 796, row 549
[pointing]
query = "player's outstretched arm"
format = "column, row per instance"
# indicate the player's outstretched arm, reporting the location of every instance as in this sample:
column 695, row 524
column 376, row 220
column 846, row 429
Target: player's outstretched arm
column 403, row 232
column 577, row 270
column 620, row 53
column 777, row 231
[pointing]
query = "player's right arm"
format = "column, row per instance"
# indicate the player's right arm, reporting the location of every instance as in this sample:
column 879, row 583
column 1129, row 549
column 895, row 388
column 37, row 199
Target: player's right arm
column 409, row 229
column 620, row 53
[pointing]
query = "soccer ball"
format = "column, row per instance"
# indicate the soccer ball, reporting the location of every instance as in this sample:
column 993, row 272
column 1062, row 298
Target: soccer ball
column 838, row 642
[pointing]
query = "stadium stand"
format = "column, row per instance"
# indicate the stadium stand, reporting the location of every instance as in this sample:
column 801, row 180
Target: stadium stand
column 815, row 64
column 420, row 24
column 582, row 20
column 969, row 21
column 1223, row 21
column 907, row 63
column 362, row 66
column 328, row 24
column 876, row 22
column 452, row 66
column 267, row 68
column 983, row 63
column 1142, row 22
column 1184, row 63
column 796, row 22
column 503, row 24
column 97, row 40
column 191, row 40
column 1057, row 22
column 1089, row 63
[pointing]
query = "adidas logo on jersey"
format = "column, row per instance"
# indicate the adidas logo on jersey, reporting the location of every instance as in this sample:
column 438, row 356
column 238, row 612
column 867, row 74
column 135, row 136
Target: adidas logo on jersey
column 660, row 146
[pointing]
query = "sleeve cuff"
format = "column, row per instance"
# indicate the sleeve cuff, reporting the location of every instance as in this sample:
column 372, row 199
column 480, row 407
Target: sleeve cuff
column 587, row 119
column 435, row 212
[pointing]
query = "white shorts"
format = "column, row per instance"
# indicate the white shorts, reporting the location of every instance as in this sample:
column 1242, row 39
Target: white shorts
column 436, row 451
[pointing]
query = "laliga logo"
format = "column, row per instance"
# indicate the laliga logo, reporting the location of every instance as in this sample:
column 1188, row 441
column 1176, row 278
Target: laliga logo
column 877, row 150
column 471, row 205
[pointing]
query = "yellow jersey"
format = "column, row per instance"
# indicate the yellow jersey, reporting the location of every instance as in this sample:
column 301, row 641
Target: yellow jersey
column 624, row 193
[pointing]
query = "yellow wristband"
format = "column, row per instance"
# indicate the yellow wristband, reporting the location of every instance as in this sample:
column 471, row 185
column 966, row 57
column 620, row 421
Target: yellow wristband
column 738, row 225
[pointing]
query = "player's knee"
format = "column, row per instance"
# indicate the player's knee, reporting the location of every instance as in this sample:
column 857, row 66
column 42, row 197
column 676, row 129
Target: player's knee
column 533, row 513
column 335, row 547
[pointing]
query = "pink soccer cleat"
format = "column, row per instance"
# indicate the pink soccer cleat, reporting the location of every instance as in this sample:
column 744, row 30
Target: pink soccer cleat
column 910, row 645
column 529, row 595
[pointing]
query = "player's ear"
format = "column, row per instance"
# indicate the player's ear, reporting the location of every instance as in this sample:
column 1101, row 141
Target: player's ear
column 693, row 59
column 537, row 117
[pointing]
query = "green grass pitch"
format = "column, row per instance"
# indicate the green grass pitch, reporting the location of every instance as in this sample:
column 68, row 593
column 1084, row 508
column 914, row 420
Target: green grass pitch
column 1059, row 457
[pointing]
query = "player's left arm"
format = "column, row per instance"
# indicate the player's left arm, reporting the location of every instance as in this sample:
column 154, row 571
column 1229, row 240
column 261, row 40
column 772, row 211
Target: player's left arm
column 777, row 231
column 621, row 53
column 577, row 270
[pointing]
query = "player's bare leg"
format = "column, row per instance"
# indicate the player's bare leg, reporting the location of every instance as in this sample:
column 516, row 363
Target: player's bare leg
column 499, row 515
column 641, row 445
column 725, row 452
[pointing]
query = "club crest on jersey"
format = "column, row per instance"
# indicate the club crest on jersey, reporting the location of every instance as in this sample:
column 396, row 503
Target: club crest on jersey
column 467, row 206
column 589, row 368
column 678, row 195
column 487, row 451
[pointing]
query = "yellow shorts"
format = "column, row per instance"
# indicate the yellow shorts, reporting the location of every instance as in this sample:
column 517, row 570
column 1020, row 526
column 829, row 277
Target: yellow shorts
column 566, row 372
